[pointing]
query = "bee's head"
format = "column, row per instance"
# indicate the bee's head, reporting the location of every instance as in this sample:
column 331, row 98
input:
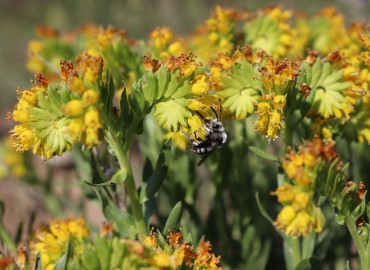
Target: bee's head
column 216, row 126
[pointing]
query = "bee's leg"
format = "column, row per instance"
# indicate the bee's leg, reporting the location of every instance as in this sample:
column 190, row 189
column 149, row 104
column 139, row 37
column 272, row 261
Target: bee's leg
column 208, row 154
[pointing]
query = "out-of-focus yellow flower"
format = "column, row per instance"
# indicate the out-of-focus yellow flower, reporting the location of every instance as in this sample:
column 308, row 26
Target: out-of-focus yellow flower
column 52, row 242
column 178, row 138
column 326, row 27
column 90, row 65
column 73, row 108
column 90, row 97
column 185, row 63
column 270, row 30
column 215, row 35
column 14, row 160
column 76, row 85
column 22, row 256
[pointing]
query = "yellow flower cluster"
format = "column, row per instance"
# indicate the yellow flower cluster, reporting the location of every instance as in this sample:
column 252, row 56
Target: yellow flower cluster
column 270, row 116
column 180, row 252
column 300, row 216
column 52, row 241
column 163, row 45
column 82, row 110
column 270, row 30
column 215, row 35
column 24, row 134
column 53, row 119
column 90, row 65
column 276, row 75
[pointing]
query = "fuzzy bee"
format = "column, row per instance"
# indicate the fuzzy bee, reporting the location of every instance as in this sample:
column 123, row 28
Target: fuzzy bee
column 215, row 137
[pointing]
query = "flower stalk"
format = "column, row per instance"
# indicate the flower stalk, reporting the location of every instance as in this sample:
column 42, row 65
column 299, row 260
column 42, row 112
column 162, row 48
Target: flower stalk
column 123, row 162
column 363, row 254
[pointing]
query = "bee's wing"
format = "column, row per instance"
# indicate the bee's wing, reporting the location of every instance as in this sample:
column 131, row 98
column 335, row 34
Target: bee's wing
column 210, row 152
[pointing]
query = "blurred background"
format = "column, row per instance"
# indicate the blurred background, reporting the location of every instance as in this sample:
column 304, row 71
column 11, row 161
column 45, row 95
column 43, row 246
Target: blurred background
column 18, row 19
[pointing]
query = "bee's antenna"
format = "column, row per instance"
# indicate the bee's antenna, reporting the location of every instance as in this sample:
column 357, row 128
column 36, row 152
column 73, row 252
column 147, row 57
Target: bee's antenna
column 200, row 115
column 215, row 113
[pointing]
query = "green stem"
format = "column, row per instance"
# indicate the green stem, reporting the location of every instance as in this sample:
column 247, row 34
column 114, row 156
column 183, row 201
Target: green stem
column 359, row 245
column 368, row 253
column 294, row 249
column 129, row 182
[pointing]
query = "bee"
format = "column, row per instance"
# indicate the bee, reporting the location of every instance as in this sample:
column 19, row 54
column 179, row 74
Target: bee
column 215, row 137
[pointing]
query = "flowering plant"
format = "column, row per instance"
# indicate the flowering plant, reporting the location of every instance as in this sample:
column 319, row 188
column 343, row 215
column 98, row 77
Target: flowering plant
column 269, row 85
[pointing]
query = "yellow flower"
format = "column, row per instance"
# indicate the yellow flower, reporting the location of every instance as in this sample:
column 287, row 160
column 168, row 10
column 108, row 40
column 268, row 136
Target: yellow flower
column 161, row 259
column 175, row 48
column 150, row 241
column 73, row 108
column 275, row 125
column 161, row 37
column 301, row 200
column 91, row 137
column 76, row 85
column 201, row 85
column 52, row 242
column 92, row 118
column 196, row 127
column 204, row 258
column 75, row 127
column 90, row 97
column 14, row 160
column 90, row 65
column 23, row 137
column 178, row 138
column 301, row 225
column 285, row 193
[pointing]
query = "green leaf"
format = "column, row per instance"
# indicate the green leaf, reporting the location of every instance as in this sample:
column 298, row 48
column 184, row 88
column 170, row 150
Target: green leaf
column 125, row 113
column 162, row 241
column 119, row 177
column 263, row 154
column 124, row 221
column 148, row 169
column 38, row 264
column 118, row 251
column 89, row 259
column 150, row 88
column 163, row 80
column 62, row 263
column 182, row 90
column 172, row 114
column 173, row 219
column 103, row 252
column 155, row 181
